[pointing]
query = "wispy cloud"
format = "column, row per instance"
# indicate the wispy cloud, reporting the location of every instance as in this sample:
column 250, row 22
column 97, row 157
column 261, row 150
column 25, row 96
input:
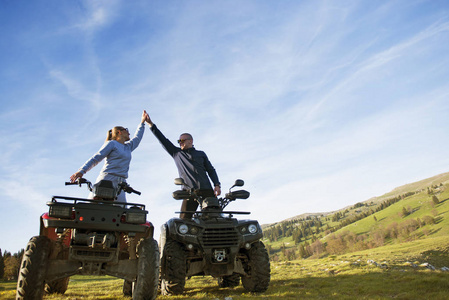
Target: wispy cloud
column 97, row 14
column 77, row 91
column 316, row 105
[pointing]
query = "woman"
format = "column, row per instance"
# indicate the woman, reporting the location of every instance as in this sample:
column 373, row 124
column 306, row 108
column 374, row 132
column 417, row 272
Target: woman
column 117, row 151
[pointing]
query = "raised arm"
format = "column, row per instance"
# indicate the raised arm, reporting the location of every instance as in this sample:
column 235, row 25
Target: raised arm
column 135, row 141
column 166, row 144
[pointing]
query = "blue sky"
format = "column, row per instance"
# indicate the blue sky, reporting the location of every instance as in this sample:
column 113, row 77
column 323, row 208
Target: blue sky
column 317, row 105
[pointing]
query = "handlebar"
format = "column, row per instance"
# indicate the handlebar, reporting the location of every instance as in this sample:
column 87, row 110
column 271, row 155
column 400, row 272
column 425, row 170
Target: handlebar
column 121, row 187
column 223, row 202
column 79, row 182
column 127, row 188
column 181, row 194
column 184, row 194
column 199, row 195
column 240, row 194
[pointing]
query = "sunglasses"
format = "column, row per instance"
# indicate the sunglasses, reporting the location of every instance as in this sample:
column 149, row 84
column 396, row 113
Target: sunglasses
column 182, row 141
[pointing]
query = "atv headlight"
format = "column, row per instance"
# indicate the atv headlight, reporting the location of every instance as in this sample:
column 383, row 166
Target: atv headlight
column 183, row 229
column 60, row 211
column 194, row 230
column 252, row 228
column 135, row 218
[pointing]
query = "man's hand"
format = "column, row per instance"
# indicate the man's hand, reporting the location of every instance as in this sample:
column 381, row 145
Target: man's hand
column 148, row 119
column 217, row 191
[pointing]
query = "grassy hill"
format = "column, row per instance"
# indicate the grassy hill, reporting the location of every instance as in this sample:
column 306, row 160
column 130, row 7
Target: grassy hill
column 413, row 214
column 411, row 187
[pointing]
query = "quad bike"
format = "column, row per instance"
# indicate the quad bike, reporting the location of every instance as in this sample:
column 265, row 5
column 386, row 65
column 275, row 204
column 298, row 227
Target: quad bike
column 97, row 236
column 213, row 243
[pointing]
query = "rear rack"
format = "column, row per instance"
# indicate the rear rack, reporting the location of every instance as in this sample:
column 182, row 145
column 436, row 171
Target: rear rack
column 125, row 205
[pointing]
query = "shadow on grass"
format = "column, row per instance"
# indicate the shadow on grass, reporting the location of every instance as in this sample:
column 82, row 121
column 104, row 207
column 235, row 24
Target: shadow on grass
column 438, row 220
column 435, row 231
column 441, row 201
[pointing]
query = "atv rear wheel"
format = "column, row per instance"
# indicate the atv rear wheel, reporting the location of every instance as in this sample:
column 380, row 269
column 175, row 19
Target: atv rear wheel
column 145, row 288
column 173, row 271
column 30, row 284
column 229, row 281
column 258, row 269
column 58, row 286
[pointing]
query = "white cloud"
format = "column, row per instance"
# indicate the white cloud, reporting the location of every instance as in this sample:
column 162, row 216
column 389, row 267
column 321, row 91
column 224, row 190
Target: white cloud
column 98, row 14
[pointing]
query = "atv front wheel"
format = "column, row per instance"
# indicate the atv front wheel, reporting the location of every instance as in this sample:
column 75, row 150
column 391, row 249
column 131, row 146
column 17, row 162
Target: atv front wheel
column 127, row 288
column 145, row 288
column 258, row 269
column 173, row 269
column 58, row 286
column 30, row 284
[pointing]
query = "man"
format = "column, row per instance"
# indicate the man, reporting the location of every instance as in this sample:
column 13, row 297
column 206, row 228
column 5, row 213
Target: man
column 193, row 166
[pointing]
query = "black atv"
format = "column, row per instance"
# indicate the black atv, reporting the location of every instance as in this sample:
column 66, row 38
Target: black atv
column 213, row 243
column 97, row 236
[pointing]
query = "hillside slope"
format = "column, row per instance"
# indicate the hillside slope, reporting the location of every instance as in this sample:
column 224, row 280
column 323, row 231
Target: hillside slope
column 415, row 186
column 416, row 213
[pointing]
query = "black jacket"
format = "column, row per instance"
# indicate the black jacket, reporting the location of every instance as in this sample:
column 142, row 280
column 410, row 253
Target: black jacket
column 193, row 165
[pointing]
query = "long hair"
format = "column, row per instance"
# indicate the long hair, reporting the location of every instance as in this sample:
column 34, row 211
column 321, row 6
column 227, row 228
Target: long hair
column 113, row 133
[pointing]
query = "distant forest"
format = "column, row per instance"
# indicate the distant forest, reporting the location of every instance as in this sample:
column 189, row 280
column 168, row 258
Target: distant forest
column 9, row 264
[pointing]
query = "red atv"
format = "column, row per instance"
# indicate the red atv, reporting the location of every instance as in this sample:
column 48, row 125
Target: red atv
column 97, row 236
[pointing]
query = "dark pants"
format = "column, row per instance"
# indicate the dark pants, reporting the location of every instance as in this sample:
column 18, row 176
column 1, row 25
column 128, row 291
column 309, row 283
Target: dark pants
column 191, row 205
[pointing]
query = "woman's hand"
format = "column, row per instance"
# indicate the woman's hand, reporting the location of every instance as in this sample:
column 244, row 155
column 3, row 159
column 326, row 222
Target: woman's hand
column 75, row 176
column 145, row 117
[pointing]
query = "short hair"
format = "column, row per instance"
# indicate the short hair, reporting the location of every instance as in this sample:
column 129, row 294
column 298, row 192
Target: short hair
column 188, row 134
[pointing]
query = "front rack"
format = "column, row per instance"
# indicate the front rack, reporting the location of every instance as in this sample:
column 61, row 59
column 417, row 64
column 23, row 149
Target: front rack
column 230, row 213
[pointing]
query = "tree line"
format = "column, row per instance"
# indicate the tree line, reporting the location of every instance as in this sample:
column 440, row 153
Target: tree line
column 9, row 264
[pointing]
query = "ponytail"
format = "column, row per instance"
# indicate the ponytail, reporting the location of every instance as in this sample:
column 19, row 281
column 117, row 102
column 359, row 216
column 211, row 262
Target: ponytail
column 109, row 136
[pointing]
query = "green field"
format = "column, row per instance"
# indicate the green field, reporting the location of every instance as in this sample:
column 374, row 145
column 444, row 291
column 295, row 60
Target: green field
column 395, row 271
